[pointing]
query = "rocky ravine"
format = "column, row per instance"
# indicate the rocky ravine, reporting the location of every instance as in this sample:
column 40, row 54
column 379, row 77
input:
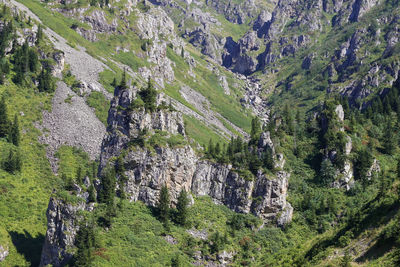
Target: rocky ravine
column 177, row 167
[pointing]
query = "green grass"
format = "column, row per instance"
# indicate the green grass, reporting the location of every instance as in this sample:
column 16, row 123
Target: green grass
column 136, row 237
column 100, row 104
column 200, row 132
column 106, row 77
column 70, row 159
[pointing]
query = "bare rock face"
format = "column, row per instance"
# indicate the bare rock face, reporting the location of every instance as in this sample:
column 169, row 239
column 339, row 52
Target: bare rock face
column 62, row 226
column 147, row 172
column 178, row 167
column 3, row 253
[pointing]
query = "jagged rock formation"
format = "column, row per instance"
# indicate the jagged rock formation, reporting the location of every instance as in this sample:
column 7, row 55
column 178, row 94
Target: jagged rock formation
column 63, row 222
column 344, row 174
column 179, row 167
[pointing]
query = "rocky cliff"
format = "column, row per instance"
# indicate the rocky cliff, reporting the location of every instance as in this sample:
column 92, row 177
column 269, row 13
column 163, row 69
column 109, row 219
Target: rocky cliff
column 177, row 165
column 63, row 221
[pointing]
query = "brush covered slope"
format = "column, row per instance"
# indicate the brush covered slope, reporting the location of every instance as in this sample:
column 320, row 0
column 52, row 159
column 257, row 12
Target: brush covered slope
column 136, row 119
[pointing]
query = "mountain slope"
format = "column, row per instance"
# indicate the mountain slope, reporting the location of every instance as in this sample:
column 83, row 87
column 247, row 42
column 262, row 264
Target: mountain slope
column 163, row 93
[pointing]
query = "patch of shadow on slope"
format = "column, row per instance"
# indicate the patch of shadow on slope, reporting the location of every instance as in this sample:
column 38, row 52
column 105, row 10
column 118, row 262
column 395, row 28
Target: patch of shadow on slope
column 71, row 122
column 27, row 245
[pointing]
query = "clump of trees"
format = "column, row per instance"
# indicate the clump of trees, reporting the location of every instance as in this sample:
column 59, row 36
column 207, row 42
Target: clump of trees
column 10, row 132
column 85, row 242
column 165, row 213
column 241, row 154
column 146, row 98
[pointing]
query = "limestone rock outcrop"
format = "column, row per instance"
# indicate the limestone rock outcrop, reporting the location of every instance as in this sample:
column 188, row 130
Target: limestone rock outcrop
column 62, row 226
column 179, row 167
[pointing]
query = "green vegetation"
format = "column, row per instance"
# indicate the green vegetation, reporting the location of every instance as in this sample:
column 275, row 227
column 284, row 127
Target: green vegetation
column 244, row 156
column 100, row 104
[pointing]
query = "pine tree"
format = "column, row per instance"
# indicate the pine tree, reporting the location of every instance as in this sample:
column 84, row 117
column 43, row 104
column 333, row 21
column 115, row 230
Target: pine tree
column 108, row 187
column 327, row 172
column 182, row 208
column 254, row 163
column 33, row 60
column 109, row 215
column 182, row 52
column 92, row 196
column 398, row 169
column 149, row 96
column 217, row 150
column 346, row 260
column 390, row 139
column 84, row 241
column 10, row 165
column 18, row 161
column 4, row 122
column 268, row 159
column 46, row 80
column 122, row 84
column 210, row 149
column 163, row 205
column 94, row 170
column 79, row 179
column 14, row 132
column 255, row 131
column 39, row 34
column 176, row 261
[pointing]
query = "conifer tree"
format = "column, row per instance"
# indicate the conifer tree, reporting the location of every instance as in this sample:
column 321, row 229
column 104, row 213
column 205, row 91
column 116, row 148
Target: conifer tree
column 79, row 179
column 268, row 159
column 255, row 131
column 123, row 85
column 94, row 170
column 149, row 96
column 10, row 165
column 210, row 149
column 163, row 205
column 4, row 122
column 14, row 132
column 33, row 60
column 398, row 169
column 84, row 241
column 46, row 80
column 108, row 187
column 39, row 34
column 217, row 150
column 389, row 138
column 92, row 196
column 182, row 208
